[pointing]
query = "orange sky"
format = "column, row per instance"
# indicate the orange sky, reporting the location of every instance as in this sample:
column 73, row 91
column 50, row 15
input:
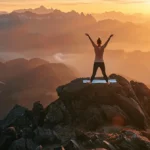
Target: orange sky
column 88, row 6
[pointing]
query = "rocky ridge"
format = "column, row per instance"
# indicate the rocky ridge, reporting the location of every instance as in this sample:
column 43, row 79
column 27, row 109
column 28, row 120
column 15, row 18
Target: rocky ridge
column 86, row 116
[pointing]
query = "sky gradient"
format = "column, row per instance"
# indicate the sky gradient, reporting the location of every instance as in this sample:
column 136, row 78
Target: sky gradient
column 87, row 6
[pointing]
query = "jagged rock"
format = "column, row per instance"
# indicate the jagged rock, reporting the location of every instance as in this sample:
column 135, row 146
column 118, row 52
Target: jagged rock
column 54, row 115
column 37, row 108
column 143, row 94
column 44, row 136
column 7, row 137
column 57, row 113
column 88, row 116
column 133, row 110
column 64, row 134
column 72, row 145
column 126, row 86
column 146, row 134
column 121, row 139
column 115, row 115
column 92, row 118
column 109, row 145
column 16, row 113
column 140, row 90
column 59, row 90
column 38, row 114
column 23, row 144
column 132, row 139
column 79, row 98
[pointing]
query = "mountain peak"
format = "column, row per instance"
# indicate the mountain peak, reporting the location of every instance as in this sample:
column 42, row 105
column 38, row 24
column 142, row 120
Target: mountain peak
column 79, row 96
column 40, row 10
column 42, row 7
column 93, row 115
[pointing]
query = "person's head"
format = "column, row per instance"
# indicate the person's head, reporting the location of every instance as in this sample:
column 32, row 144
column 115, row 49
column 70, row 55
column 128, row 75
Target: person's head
column 99, row 42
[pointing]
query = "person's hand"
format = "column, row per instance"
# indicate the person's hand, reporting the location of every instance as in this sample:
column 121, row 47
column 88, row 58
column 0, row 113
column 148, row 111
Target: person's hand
column 111, row 35
column 86, row 34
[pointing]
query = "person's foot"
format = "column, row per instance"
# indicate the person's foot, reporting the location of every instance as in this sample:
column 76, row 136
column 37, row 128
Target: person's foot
column 108, row 83
column 89, row 82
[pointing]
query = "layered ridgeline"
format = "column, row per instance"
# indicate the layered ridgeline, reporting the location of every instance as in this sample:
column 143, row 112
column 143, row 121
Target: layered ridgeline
column 50, row 29
column 25, row 81
column 87, row 116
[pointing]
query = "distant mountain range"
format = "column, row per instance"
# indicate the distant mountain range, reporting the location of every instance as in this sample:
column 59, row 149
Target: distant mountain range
column 3, row 12
column 136, row 18
column 27, row 81
column 40, row 10
column 42, row 31
column 58, row 31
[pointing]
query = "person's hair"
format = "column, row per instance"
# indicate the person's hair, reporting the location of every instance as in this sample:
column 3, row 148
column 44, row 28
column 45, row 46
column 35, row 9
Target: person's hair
column 99, row 41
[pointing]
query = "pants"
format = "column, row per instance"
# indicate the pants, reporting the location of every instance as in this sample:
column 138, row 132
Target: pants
column 102, row 67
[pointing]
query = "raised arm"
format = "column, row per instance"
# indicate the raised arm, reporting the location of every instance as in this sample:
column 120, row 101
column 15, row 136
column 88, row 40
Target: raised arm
column 106, row 43
column 91, row 40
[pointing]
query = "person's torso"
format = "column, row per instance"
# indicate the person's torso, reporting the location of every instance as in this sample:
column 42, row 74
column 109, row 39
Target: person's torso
column 99, row 52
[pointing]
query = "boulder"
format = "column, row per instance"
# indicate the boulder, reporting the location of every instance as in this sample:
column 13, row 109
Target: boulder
column 114, row 115
column 7, row 137
column 143, row 94
column 64, row 134
column 44, row 136
column 79, row 98
column 38, row 114
column 57, row 113
column 23, row 144
column 114, row 138
column 16, row 113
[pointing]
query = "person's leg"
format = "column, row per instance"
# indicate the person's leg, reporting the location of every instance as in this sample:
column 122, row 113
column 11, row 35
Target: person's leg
column 95, row 67
column 102, row 66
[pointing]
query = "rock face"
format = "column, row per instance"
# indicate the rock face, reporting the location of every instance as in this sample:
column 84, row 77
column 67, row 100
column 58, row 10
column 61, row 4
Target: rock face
column 143, row 94
column 85, row 116
column 100, row 104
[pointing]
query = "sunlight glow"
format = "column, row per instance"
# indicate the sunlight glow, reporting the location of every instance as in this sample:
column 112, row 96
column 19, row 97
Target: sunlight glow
column 87, row 6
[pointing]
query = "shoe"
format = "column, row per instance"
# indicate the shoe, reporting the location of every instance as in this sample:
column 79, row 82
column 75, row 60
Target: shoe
column 89, row 82
column 108, row 83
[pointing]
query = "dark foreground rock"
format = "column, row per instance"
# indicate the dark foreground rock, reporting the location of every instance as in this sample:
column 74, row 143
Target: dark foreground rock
column 86, row 116
column 103, row 102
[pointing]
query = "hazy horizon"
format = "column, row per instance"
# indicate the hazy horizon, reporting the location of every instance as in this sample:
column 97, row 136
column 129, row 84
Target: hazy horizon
column 48, row 48
column 60, row 37
column 86, row 6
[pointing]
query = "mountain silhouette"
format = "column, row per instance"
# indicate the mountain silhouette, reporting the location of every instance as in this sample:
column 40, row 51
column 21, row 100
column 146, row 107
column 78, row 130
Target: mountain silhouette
column 27, row 81
column 3, row 12
column 88, row 116
column 42, row 35
column 68, row 28
column 136, row 18
column 39, row 10
column 13, row 68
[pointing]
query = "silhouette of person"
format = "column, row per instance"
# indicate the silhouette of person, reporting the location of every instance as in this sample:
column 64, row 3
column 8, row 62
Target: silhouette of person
column 99, row 52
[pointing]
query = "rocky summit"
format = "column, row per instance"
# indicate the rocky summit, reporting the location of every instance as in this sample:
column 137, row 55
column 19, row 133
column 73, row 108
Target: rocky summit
column 85, row 116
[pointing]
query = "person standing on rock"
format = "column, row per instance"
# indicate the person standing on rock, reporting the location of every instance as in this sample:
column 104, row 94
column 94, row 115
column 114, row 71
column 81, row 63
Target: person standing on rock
column 99, row 61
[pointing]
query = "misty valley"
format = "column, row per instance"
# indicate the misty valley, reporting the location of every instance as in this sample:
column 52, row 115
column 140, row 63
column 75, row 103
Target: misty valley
column 45, row 57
